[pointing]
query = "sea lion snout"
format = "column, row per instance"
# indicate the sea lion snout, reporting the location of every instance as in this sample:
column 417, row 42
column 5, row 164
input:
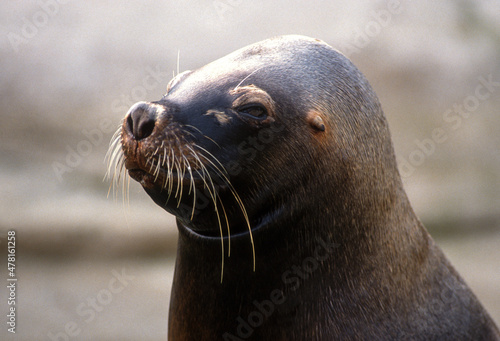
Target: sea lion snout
column 140, row 120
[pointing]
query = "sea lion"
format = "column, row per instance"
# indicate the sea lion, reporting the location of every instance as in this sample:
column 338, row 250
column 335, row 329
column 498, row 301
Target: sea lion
column 278, row 158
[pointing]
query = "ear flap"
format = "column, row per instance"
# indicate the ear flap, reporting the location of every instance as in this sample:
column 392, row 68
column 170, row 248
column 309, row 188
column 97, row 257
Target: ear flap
column 315, row 121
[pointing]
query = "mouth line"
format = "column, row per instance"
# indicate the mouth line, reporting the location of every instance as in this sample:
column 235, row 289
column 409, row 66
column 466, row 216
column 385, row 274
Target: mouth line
column 214, row 235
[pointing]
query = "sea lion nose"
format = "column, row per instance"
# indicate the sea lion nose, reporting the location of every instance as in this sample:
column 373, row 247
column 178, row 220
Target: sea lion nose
column 141, row 120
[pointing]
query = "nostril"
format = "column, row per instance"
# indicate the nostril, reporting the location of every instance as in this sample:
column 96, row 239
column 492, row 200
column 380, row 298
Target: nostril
column 141, row 120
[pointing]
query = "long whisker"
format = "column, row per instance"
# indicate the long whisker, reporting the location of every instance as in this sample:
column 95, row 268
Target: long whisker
column 228, row 229
column 221, row 241
column 111, row 153
column 157, row 170
column 213, row 195
column 236, row 197
column 181, row 176
column 178, row 172
column 201, row 133
column 199, row 162
column 211, row 157
column 244, row 79
column 114, row 158
column 188, row 167
column 170, row 167
column 191, row 187
column 245, row 214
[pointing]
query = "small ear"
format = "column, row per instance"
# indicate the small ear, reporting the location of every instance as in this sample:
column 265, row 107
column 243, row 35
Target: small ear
column 315, row 121
column 176, row 80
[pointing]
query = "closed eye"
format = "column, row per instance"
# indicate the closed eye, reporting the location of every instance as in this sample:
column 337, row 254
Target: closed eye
column 253, row 110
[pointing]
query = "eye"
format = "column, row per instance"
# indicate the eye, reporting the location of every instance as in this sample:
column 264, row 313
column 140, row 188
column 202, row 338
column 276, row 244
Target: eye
column 254, row 110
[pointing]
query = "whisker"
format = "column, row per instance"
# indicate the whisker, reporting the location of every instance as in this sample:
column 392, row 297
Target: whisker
column 228, row 229
column 165, row 155
column 112, row 161
column 244, row 79
column 211, row 190
column 170, row 167
column 117, row 176
column 200, row 163
column 115, row 139
column 221, row 241
column 193, row 127
column 111, row 149
column 201, row 133
column 158, row 168
column 149, row 160
column 178, row 189
column 186, row 161
column 181, row 176
column 212, row 157
column 114, row 158
column 191, row 187
column 236, row 197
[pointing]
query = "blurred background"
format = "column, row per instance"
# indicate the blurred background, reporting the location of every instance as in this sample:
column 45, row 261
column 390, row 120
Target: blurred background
column 93, row 267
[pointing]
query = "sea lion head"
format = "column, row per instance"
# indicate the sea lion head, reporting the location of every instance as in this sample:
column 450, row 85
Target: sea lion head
column 238, row 144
